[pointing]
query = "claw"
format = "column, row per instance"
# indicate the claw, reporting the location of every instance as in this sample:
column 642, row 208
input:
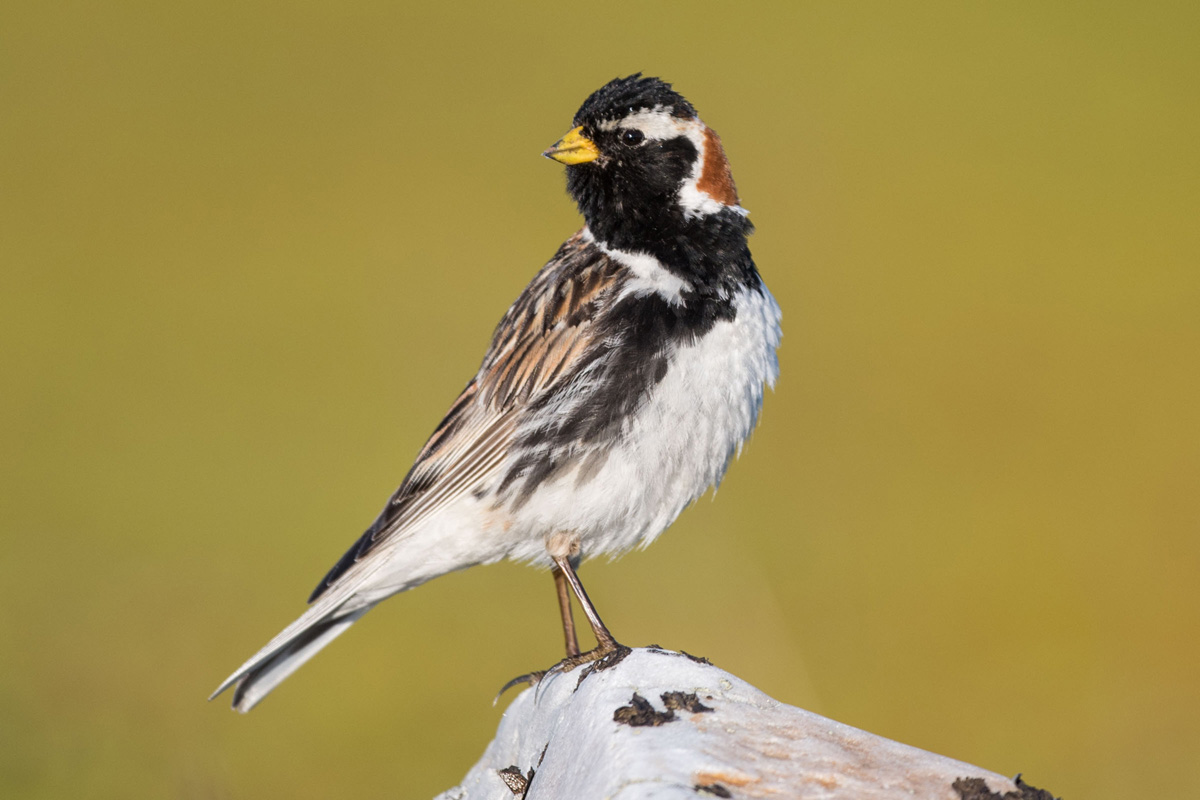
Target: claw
column 529, row 677
column 597, row 659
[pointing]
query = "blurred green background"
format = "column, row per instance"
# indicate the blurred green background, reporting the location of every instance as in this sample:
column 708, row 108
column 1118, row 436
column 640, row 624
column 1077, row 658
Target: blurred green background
column 249, row 252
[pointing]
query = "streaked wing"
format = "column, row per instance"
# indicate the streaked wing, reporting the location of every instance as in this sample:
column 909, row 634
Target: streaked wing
column 544, row 339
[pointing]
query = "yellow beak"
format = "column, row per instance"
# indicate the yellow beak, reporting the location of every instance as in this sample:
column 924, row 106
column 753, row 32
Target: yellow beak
column 574, row 148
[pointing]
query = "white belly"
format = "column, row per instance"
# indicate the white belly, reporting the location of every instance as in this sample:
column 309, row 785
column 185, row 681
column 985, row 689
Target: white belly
column 677, row 446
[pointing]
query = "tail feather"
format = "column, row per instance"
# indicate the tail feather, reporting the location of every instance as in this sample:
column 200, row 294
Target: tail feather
column 284, row 655
column 357, row 590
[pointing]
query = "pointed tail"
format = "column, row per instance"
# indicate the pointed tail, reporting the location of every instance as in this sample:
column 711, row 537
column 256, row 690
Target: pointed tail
column 286, row 653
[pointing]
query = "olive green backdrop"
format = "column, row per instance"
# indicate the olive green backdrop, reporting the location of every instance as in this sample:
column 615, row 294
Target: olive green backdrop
column 249, row 252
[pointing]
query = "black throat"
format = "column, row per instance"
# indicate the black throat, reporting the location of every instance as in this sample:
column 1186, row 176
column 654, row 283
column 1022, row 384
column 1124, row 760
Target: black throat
column 709, row 251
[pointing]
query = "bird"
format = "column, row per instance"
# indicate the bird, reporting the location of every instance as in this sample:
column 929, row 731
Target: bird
column 616, row 390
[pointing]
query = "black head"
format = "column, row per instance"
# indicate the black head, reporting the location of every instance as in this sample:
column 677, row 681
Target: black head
column 642, row 166
column 622, row 96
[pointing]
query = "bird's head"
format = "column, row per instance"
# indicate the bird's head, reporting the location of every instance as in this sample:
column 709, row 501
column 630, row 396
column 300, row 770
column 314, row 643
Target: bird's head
column 640, row 163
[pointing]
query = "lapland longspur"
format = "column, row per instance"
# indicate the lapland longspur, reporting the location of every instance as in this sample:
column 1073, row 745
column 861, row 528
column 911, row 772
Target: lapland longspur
column 617, row 388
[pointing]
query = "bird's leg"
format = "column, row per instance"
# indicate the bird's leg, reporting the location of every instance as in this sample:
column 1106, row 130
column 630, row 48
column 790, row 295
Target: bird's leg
column 607, row 652
column 568, row 623
column 605, row 643
column 564, row 608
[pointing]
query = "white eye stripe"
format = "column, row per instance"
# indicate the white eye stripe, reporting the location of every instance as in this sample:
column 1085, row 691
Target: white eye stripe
column 657, row 123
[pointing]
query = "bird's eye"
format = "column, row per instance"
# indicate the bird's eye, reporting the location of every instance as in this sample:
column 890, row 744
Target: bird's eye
column 632, row 137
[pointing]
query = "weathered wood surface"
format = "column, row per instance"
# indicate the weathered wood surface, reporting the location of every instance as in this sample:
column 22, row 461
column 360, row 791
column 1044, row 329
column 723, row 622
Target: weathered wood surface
column 658, row 724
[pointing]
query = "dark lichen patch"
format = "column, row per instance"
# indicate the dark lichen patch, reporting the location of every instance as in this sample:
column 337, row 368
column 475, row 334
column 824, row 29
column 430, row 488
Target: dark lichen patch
column 517, row 783
column 973, row 789
column 657, row 648
column 684, row 701
column 639, row 713
column 1028, row 792
column 977, row 789
column 712, row 790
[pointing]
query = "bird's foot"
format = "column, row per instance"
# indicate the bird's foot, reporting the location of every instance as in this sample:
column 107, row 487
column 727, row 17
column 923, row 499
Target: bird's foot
column 604, row 656
column 601, row 657
column 598, row 660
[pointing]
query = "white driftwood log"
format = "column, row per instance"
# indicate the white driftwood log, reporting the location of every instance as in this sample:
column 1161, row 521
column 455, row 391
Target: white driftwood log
column 659, row 724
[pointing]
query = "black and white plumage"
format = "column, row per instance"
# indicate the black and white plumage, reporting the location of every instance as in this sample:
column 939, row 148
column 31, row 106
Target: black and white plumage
column 617, row 388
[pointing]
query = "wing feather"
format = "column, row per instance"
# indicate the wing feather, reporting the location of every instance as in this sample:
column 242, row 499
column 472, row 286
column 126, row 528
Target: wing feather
column 541, row 343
